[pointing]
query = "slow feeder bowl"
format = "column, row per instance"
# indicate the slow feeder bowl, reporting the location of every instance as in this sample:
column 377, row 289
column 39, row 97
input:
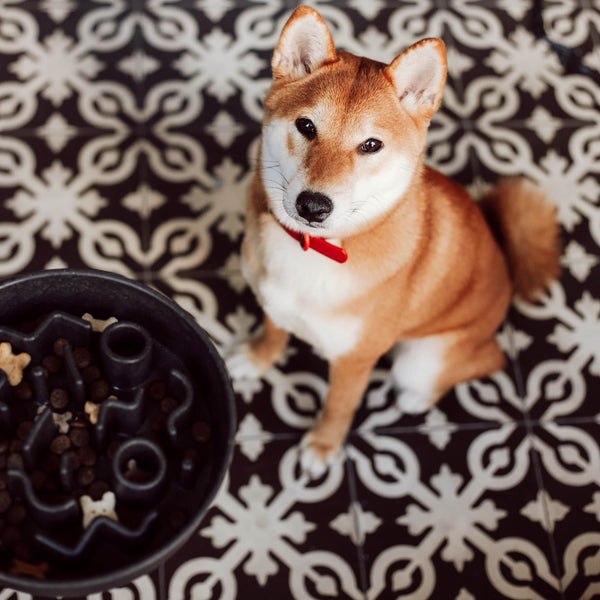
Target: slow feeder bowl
column 144, row 416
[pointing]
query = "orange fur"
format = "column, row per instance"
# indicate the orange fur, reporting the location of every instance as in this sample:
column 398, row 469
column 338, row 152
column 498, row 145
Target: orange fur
column 427, row 269
column 528, row 230
column 268, row 346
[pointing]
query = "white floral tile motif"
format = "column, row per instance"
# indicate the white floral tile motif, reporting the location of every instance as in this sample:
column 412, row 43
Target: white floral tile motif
column 128, row 133
column 274, row 529
column 545, row 511
column 568, row 454
column 563, row 326
column 454, row 519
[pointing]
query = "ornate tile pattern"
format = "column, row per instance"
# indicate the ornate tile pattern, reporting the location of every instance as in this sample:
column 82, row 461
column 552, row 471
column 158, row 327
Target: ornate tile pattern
column 127, row 137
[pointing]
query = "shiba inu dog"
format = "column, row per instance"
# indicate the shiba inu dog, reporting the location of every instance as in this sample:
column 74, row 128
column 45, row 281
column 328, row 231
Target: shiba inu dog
column 357, row 247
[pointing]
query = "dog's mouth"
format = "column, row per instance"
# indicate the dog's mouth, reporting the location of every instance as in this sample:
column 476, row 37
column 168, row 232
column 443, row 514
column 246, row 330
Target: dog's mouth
column 292, row 220
column 306, row 224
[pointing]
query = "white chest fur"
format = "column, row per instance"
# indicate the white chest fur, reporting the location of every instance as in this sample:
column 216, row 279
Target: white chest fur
column 305, row 293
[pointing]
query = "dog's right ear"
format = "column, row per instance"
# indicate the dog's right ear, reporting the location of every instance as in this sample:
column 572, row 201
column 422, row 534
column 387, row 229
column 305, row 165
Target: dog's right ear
column 419, row 76
column 305, row 45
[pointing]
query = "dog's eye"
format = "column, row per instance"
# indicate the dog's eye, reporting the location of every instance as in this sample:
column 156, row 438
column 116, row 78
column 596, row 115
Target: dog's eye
column 307, row 128
column 371, row 146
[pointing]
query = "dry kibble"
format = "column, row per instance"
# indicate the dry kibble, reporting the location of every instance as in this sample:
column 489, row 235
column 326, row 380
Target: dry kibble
column 60, row 444
column 99, row 390
column 15, row 461
column 59, row 398
column 159, row 423
column 5, row 501
column 90, row 373
column 23, row 429
column 82, row 357
column 85, row 476
column 23, row 391
column 168, row 404
column 135, row 474
column 79, row 436
column 112, row 448
column 73, row 460
column 201, row 431
column 157, row 390
column 59, row 345
column 38, row 479
column 16, row 513
column 52, row 363
column 87, row 456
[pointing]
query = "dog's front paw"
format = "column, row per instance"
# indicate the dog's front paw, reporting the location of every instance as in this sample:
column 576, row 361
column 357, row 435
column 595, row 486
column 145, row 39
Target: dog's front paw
column 240, row 364
column 316, row 456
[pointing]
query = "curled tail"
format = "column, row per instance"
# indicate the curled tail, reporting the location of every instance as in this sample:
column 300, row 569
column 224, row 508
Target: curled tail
column 526, row 225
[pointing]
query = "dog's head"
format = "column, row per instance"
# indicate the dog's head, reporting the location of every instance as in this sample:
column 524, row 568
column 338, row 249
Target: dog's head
column 344, row 135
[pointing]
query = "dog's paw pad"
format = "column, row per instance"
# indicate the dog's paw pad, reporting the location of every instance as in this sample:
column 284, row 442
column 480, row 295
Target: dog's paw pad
column 414, row 402
column 315, row 459
column 240, row 364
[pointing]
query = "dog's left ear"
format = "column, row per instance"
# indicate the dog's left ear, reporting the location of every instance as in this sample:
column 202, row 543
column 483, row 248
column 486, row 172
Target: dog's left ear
column 305, row 45
column 419, row 76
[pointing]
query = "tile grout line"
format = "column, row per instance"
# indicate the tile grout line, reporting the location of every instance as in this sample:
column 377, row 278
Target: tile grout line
column 162, row 586
column 539, row 478
column 529, row 424
column 354, row 501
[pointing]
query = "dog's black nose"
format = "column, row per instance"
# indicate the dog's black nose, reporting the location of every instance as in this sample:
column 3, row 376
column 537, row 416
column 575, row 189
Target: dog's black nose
column 313, row 207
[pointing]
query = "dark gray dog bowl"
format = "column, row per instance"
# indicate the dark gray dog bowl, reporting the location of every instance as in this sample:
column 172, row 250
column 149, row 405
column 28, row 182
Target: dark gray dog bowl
column 161, row 440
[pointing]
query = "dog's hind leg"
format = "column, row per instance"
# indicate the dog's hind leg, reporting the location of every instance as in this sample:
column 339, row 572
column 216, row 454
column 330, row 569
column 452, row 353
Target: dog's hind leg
column 468, row 360
column 416, row 368
column 425, row 369
column 252, row 359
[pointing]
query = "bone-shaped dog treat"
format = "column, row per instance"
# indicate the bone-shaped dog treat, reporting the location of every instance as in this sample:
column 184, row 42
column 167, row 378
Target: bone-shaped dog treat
column 98, row 325
column 13, row 364
column 92, row 410
column 105, row 507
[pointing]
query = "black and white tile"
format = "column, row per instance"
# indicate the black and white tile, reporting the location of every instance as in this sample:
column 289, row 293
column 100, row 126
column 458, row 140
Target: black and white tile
column 127, row 139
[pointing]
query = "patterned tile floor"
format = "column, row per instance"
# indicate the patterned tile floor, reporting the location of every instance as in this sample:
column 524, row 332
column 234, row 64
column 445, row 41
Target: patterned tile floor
column 127, row 136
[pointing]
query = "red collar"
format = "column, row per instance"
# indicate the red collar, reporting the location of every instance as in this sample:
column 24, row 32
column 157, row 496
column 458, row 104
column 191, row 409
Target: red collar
column 318, row 244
